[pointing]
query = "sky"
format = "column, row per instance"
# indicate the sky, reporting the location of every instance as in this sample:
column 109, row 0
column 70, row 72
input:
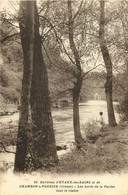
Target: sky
column 8, row 5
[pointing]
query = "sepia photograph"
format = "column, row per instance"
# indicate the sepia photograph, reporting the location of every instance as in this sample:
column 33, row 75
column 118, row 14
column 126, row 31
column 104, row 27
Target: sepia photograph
column 64, row 97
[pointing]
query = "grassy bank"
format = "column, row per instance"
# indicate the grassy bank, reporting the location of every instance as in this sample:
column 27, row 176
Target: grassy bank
column 108, row 154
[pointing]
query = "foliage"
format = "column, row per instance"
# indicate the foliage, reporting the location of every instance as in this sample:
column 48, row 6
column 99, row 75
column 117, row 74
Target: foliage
column 60, row 77
column 91, row 130
column 92, row 84
column 11, row 67
column 10, row 94
column 4, row 77
column 122, row 109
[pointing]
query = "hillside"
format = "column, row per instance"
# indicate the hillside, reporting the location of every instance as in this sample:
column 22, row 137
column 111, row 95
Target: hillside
column 11, row 66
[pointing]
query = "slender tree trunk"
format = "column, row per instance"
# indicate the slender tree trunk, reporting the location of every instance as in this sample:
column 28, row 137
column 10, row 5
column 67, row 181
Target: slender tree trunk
column 126, row 94
column 108, row 65
column 125, row 99
column 76, row 119
column 125, row 34
column 27, row 40
column 79, row 79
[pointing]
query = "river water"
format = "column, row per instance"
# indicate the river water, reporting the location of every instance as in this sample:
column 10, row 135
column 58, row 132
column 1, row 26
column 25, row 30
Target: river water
column 88, row 111
column 63, row 122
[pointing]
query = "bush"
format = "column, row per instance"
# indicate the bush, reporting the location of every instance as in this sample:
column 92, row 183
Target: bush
column 4, row 77
column 122, row 109
column 9, row 94
column 91, row 130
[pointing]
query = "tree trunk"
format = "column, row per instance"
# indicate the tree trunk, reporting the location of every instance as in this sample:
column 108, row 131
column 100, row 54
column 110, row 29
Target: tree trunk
column 79, row 79
column 126, row 93
column 36, row 142
column 76, row 119
column 127, row 86
column 44, row 147
column 108, row 65
column 27, row 36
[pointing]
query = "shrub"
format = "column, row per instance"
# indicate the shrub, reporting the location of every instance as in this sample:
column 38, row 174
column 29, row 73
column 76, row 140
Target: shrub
column 122, row 109
column 4, row 77
column 9, row 94
column 91, row 130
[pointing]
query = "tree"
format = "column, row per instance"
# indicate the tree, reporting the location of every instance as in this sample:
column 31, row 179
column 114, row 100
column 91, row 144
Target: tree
column 123, row 16
column 108, row 65
column 36, row 141
column 79, row 78
column 69, row 27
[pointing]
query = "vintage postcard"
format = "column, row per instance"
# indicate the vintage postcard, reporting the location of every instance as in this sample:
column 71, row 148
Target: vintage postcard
column 64, row 97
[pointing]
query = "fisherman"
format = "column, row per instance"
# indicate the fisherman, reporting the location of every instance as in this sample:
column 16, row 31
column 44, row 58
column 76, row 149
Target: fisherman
column 101, row 121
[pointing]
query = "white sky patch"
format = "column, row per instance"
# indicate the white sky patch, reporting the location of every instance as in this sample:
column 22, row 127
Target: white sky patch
column 9, row 6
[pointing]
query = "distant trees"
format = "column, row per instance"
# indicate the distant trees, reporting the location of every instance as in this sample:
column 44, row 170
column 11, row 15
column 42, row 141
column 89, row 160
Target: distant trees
column 94, row 84
column 36, row 142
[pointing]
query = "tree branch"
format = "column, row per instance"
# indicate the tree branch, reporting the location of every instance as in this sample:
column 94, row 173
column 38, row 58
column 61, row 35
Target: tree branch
column 8, row 37
column 58, row 39
column 6, row 149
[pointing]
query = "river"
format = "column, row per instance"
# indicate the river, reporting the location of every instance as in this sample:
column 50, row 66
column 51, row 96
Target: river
column 62, row 120
column 88, row 111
